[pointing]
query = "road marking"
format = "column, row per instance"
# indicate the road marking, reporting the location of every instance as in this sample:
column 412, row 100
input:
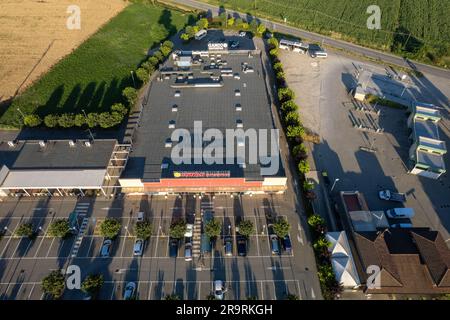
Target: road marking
column 300, row 239
column 149, row 291
column 28, row 248
column 257, row 239
column 262, row 290
column 157, row 240
column 31, row 291
column 274, row 291
column 7, row 243
column 89, row 249
column 113, row 290
column 299, row 291
column 51, row 244
column 20, row 241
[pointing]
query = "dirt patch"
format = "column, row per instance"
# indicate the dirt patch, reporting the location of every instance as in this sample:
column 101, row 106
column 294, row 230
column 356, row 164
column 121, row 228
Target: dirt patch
column 34, row 36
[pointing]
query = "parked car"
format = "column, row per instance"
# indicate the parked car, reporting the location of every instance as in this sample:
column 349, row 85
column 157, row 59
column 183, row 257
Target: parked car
column 106, row 248
column 400, row 213
column 218, row 289
column 188, row 252
column 228, row 246
column 242, row 246
column 129, row 292
column 234, row 44
column 173, row 248
column 388, row 195
column 274, row 244
column 402, row 225
column 287, row 244
column 140, row 216
column 138, row 247
column 242, row 33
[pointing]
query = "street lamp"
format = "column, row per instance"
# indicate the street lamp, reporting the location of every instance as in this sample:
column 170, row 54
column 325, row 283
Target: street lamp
column 21, row 113
column 263, row 230
column 85, row 116
column 229, row 229
column 128, row 232
column 132, row 76
column 334, row 184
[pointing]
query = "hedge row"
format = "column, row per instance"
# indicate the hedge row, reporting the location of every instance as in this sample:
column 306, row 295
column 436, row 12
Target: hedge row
column 118, row 111
column 295, row 133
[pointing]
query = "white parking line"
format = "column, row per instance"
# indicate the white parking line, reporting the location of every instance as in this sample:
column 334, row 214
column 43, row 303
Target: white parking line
column 31, row 291
column 89, row 249
column 157, row 239
column 17, row 247
column 149, row 290
column 113, row 290
column 257, row 241
column 9, row 240
column 50, row 247
column 262, row 290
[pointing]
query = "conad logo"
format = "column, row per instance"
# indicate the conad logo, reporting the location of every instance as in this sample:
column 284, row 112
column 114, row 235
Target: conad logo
column 177, row 174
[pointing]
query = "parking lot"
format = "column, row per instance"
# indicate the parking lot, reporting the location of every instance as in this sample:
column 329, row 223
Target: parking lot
column 25, row 262
column 362, row 159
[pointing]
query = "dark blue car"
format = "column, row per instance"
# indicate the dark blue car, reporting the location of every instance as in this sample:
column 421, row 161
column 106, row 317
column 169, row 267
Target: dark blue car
column 287, row 244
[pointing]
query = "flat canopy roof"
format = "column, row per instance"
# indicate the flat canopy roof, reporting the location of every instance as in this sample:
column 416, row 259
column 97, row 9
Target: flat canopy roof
column 51, row 179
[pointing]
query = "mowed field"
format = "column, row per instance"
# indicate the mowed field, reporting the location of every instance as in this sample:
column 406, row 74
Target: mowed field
column 93, row 76
column 34, row 36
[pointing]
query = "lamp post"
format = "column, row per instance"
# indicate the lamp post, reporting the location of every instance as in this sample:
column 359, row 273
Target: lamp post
column 132, row 77
column 334, row 184
column 128, row 232
column 229, row 229
column 21, row 113
column 85, row 116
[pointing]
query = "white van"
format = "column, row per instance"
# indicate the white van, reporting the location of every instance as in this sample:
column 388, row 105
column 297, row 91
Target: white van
column 400, row 213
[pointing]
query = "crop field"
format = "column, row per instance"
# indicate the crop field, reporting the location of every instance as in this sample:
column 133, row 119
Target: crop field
column 93, row 76
column 416, row 28
column 34, row 36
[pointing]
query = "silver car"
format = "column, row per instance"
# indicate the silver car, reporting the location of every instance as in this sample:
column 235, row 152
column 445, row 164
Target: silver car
column 106, row 248
column 219, row 289
column 129, row 291
column 138, row 247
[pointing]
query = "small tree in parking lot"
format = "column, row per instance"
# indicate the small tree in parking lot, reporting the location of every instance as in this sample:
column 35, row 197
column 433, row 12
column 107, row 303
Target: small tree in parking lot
column 92, row 284
column 213, row 228
column 54, row 284
column 281, row 227
column 177, row 229
column 25, row 230
column 143, row 230
column 110, row 228
column 59, row 228
column 172, row 296
column 246, row 228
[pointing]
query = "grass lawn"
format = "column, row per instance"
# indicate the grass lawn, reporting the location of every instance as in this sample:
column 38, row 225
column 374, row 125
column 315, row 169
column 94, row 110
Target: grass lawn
column 93, row 76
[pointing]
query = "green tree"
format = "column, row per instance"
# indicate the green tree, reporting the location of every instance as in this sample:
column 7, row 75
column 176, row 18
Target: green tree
column 246, row 228
column 245, row 25
column 169, row 44
column 316, row 221
column 289, row 106
column 273, row 43
column 66, row 120
column 110, row 228
column 238, row 22
column 158, row 55
column 260, row 29
column 190, row 31
column 285, row 94
column 303, row 167
column 177, row 229
column 223, row 19
column 32, row 120
column 92, row 119
column 277, row 66
column 116, row 118
column 202, row 23
column 105, row 120
column 213, row 228
column 300, row 151
column 321, row 244
column 25, row 230
column 143, row 230
column 80, row 120
column 51, row 120
column 165, row 50
column 308, row 186
column 281, row 227
column 281, row 75
column 273, row 52
column 230, row 22
column 252, row 298
column 92, row 284
column 130, row 94
column 153, row 61
column 142, row 75
column 150, row 68
column 254, row 25
column 120, row 108
column 54, row 284
column 295, row 132
column 59, row 228
column 185, row 37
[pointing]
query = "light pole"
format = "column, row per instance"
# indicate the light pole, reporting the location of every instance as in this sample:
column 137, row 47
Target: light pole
column 128, row 232
column 132, row 77
column 229, row 229
column 263, row 230
column 21, row 113
column 85, row 116
column 334, row 184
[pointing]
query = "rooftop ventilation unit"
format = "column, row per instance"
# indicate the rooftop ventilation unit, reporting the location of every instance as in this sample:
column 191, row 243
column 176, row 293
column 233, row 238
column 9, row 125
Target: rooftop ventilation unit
column 87, row 144
column 42, row 144
column 171, row 124
column 239, row 124
column 174, row 108
column 11, row 144
column 168, row 143
column 71, row 143
column 177, row 94
column 238, row 107
column 237, row 93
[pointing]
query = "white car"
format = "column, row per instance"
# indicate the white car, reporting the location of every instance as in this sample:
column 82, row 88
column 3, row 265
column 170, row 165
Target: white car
column 219, row 289
column 129, row 291
column 189, row 230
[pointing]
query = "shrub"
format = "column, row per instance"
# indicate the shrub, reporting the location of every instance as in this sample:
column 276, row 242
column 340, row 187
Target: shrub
column 292, row 119
column 308, row 186
column 130, row 94
column 177, row 229
column 238, row 22
column 110, row 228
column 59, row 228
column 158, row 55
column 316, row 221
column 165, row 50
column 321, row 244
column 277, row 66
column 66, row 120
column 245, row 25
column 32, row 120
column 142, row 75
column 281, row 227
column 153, row 61
column 254, row 25
column 273, row 52
column 54, row 284
column 289, row 106
column 150, row 68
column 230, row 22
column 92, row 119
column 169, row 44
column 260, row 29
column 295, row 132
column 184, row 37
column 303, row 167
column 51, row 120
column 120, row 108
column 281, row 75
column 80, row 120
column 273, row 43
column 300, row 152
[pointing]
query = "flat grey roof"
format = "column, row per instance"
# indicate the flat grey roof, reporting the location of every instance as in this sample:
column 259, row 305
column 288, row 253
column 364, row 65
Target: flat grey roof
column 56, row 154
column 431, row 159
column 426, row 128
column 215, row 107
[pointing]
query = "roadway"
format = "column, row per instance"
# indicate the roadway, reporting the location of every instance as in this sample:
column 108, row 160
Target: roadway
column 339, row 44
